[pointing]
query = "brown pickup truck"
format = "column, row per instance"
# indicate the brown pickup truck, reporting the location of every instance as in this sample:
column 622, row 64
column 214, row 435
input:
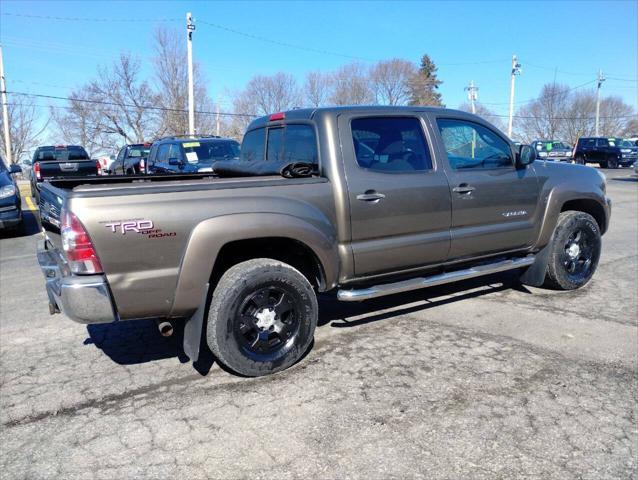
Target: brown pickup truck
column 399, row 198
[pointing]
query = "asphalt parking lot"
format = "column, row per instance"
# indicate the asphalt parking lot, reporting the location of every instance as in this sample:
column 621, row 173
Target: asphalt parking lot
column 484, row 379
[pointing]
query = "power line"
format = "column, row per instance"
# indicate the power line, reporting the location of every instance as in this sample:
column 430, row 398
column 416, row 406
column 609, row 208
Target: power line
column 535, row 99
column 129, row 105
column 244, row 114
column 88, row 19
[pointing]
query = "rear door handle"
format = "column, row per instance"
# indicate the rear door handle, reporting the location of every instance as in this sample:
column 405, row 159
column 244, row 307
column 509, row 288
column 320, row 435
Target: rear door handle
column 370, row 196
column 463, row 188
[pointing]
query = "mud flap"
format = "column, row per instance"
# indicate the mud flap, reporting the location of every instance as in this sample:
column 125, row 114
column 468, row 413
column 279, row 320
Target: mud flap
column 534, row 276
column 193, row 329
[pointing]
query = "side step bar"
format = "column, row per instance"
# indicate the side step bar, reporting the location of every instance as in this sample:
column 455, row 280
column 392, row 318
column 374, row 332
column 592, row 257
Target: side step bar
column 422, row 282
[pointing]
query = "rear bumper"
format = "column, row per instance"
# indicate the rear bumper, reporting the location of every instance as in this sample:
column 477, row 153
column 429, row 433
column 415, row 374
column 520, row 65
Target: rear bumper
column 83, row 298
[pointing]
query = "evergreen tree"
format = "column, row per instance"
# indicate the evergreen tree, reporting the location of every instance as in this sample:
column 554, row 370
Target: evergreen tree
column 424, row 85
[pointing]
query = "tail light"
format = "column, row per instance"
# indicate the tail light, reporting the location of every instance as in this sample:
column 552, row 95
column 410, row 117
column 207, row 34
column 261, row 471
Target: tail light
column 99, row 167
column 77, row 245
column 36, row 170
column 142, row 165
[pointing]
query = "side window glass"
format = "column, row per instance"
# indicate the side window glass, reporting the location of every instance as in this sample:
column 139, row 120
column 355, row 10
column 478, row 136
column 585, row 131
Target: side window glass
column 252, row 146
column 175, row 152
column 591, row 143
column 470, row 145
column 162, row 154
column 275, row 151
column 602, row 142
column 390, row 144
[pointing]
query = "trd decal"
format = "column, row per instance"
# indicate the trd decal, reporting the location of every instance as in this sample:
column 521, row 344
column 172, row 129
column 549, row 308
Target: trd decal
column 136, row 226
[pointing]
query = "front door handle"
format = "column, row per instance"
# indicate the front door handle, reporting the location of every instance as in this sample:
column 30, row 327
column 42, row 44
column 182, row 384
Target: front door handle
column 463, row 189
column 370, row 196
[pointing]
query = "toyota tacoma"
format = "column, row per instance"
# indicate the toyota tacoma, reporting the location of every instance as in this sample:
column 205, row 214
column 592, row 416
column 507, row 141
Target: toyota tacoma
column 381, row 200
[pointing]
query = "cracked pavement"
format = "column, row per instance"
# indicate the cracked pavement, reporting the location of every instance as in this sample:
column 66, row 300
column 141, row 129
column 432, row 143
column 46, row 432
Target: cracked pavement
column 483, row 379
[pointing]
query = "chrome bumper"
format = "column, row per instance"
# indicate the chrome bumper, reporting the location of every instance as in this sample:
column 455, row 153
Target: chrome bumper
column 83, row 298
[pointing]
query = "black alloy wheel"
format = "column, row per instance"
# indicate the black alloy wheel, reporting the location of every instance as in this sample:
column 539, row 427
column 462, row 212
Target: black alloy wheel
column 267, row 321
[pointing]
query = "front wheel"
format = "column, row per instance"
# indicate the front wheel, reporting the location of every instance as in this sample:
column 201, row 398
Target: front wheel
column 574, row 251
column 262, row 317
column 612, row 162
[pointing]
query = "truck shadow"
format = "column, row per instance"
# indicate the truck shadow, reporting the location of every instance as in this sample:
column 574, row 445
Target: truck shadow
column 138, row 341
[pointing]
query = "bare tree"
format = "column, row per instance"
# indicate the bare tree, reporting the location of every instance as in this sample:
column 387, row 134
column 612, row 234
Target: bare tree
column 543, row 118
column 317, row 88
column 614, row 116
column 81, row 123
column 578, row 116
column 391, row 81
column 486, row 113
column 264, row 95
column 25, row 127
column 171, row 81
column 352, row 86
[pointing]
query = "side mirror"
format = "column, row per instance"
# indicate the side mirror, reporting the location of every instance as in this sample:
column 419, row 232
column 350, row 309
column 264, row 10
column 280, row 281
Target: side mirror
column 173, row 161
column 526, row 155
column 15, row 169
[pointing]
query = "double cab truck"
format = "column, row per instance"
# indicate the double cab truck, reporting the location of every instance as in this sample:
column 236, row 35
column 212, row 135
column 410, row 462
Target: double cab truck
column 400, row 198
column 60, row 161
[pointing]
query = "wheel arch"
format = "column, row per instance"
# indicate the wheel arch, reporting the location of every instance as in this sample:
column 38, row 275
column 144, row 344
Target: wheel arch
column 589, row 206
column 218, row 243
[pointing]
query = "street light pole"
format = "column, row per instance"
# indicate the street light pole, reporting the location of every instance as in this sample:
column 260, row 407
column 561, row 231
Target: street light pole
column 516, row 70
column 5, row 111
column 601, row 79
column 190, row 28
column 472, row 95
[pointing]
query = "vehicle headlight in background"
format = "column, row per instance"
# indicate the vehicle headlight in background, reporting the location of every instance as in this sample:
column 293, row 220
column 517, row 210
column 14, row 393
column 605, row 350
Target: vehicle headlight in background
column 542, row 154
column 7, row 191
column 626, row 150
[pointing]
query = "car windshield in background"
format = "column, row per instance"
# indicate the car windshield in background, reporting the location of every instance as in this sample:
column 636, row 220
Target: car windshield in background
column 44, row 154
column 136, row 152
column 626, row 143
column 549, row 146
column 203, row 151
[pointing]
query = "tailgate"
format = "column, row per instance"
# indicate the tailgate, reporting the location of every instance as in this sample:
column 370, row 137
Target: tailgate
column 69, row 168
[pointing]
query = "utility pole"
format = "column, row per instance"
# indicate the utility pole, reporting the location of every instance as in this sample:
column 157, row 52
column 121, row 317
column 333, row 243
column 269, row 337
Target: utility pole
column 516, row 70
column 190, row 28
column 472, row 95
column 5, row 111
column 601, row 79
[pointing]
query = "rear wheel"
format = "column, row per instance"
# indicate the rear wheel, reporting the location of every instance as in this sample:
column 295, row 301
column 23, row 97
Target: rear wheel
column 262, row 317
column 574, row 251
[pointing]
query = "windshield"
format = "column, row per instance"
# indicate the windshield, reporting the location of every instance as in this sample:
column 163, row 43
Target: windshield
column 626, row 143
column 136, row 152
column 207, row 151
column 44, row 154
column 549, row 146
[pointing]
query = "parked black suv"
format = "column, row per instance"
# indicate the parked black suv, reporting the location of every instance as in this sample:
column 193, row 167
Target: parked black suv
column 554, row 150
column 189, row 155
column 608, row 152
column 130, row 159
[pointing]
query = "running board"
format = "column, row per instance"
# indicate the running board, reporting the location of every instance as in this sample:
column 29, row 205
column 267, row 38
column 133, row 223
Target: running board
column 423, row 282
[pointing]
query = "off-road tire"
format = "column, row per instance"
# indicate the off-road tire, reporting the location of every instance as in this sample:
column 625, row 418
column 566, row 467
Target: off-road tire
column 239, row 285
column 559, row 262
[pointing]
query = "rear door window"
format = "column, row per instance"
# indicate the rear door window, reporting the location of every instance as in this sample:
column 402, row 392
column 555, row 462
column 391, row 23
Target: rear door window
column 390, row 144
column 162, row 153
column 252, row 147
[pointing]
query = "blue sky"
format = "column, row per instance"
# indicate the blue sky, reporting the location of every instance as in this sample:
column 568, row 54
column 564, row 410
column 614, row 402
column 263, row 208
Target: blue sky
column 468, row 40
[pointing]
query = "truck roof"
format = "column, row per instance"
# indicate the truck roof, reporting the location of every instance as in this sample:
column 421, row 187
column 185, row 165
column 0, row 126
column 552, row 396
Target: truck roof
column 310, row 113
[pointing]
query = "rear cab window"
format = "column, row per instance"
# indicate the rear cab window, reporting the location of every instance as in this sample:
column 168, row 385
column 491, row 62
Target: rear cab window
column 60, row 154
column 283, row 144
